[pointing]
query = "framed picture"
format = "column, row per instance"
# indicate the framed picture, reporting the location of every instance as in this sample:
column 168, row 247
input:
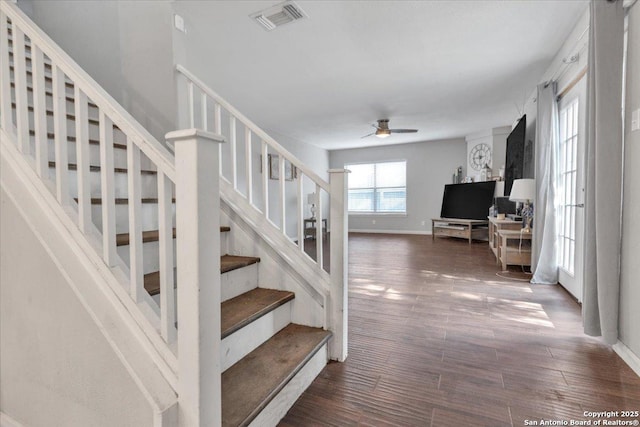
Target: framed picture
column 274, row 168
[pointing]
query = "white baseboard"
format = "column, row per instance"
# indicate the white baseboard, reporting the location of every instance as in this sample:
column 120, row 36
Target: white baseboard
column 376, row 231
column 628, row 356
column 7, row 421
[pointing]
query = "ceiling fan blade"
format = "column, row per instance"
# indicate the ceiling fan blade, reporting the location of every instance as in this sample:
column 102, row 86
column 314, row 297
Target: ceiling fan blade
column 372, row 133
column 403, row 130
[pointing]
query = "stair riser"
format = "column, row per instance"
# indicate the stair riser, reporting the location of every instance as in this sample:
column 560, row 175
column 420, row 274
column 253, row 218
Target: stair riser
column 284, row 400
column 119, row 155
column 149, row 217
column 239, row 281
column 69, row 98
column 244, row 341
column 150, row 252
column 93, row 129
column 148, row 184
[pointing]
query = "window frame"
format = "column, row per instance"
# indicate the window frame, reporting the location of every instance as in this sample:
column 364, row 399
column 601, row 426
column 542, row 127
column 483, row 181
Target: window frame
column 375, row 189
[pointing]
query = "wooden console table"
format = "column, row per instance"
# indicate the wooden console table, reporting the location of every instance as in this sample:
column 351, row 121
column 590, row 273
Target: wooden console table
column 456, row 227
column 310, row 228
column 515, row 248
column 495, row 225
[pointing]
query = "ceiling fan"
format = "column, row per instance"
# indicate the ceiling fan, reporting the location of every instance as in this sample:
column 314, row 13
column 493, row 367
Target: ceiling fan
column 383, row 131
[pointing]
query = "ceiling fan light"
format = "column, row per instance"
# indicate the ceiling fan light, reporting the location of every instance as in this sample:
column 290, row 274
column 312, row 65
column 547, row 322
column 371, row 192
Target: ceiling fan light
column 383, row 133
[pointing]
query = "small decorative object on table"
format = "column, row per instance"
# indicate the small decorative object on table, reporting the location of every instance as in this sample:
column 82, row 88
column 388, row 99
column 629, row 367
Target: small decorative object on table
column 457, row 175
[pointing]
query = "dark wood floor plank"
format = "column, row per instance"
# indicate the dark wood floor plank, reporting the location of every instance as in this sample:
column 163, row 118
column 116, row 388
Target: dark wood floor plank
column 438, row 339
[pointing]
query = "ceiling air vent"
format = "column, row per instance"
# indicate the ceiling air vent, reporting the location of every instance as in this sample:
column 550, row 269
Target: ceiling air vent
column 278, row 15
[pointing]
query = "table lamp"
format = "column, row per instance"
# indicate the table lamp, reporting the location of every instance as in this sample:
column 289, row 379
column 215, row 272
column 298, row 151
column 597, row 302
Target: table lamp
column 311, row 199
column 524, row 190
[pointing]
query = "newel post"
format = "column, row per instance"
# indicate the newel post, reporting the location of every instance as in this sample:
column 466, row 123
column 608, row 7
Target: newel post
column 339, row 258
column 198, row 263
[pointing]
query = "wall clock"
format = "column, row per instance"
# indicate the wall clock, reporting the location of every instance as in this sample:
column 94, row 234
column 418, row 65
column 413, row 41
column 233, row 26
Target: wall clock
column 479, row 156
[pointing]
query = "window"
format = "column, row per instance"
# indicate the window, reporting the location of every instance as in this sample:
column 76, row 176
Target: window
column 378, row 187
column 567, row 173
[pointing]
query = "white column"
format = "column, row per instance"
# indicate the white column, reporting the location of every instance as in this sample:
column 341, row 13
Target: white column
column 339, row 260
column 198, row 263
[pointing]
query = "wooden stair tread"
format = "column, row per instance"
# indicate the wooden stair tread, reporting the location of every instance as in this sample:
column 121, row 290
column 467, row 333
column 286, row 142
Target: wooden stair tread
column 123, row 201
column 233, row 262
column 122, row 239
column 227, row 263
column 240, row 311
column 92, row 168
column 249, row 385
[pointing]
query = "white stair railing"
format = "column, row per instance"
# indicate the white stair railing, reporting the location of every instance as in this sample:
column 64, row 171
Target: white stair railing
column 32, row 68
column 248, row 164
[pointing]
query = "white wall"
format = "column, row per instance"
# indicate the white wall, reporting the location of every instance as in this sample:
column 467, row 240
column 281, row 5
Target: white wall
column 629, row 321
column 576, row 42
column 430, row 165
column 126, row 46
column 56, row 367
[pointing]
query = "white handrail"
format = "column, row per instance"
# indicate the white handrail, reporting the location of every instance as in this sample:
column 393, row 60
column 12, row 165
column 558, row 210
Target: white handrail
column 254, row 128
column 150, row 146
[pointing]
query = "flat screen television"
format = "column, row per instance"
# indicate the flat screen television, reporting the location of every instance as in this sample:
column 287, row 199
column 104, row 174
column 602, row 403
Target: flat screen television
column 514, row 166
column 467, row 201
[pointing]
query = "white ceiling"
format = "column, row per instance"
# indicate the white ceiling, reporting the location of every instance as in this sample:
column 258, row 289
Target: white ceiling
column 447, row 68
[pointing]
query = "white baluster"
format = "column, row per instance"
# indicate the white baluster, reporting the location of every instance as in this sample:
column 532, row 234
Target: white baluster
column 192, row 113
column 167, row 288
column 282, row 200
column 265, row 179
column 248, row 164
column 300, row 210
column 217, row 129
column 60, row 130
column 5, row 83
column 82, row 159
column 107, row 179
column 198, row 240
column 20, row 78
column 39, row 112
column 203, row 107
column 339, row 257
column 234, row 152
column 134, row 193
column 319, row 236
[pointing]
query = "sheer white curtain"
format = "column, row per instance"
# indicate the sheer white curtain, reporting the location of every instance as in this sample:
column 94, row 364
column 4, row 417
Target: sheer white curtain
column 603, row 170
column 545, row 236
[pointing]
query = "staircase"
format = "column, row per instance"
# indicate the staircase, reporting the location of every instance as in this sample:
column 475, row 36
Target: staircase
column 126, row 196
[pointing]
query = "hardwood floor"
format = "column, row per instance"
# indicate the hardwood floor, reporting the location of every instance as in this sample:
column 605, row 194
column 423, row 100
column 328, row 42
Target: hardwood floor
column 436, row 338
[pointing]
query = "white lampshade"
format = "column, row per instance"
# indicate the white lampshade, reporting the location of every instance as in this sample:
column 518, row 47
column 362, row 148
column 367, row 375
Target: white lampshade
column 499, row 191
column 523, row 190
column 311, row 198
